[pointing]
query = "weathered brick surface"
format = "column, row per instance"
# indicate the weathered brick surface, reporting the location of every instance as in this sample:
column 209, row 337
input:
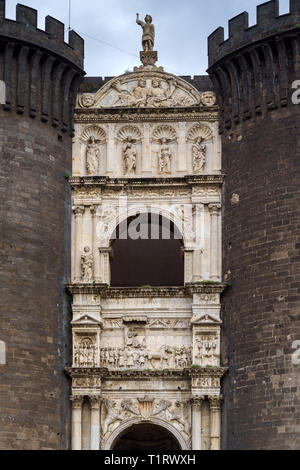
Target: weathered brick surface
column 261, row 311
column 35, row 158
column 34, row 254
column 261, row 226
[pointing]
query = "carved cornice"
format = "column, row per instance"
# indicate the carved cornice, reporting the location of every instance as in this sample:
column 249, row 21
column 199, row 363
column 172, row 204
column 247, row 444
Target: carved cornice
column 143, row 374
column 78, row 372
column 107, row 115
column 136, row 292
column 103, row 373
column 215, row 372
column 205, row 288
column 121, row 183
column 145, row 292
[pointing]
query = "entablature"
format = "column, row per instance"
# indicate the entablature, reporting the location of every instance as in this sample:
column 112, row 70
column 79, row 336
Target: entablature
column 146, row 292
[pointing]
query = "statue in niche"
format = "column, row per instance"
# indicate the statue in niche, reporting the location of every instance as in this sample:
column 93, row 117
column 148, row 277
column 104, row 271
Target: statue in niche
column 148, row 32
column 129, row 156
column 165, row 157
column 199, row 154
column 87, row 265
column 92, row 156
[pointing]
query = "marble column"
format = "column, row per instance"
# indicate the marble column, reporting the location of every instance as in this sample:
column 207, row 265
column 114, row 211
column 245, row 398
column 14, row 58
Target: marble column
column 181, row 152
column 215, row 422
column 95, row 402
column 105, row 267
column 96, row 254
column 76, row 421
column 214, row 241
column 146, row 150
column 110, row 153
column 197, row 422
column 188, row 265
column 78, row 213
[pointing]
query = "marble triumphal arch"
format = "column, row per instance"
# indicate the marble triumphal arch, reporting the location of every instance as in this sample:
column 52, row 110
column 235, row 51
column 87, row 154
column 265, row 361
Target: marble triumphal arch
column 146, row 354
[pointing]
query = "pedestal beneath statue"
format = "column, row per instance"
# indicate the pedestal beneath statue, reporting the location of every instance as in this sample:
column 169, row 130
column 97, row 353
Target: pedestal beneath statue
column 148, row 57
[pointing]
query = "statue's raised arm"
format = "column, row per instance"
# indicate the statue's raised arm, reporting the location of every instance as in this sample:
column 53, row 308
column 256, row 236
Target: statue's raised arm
column 148, row 32
column 140, row 22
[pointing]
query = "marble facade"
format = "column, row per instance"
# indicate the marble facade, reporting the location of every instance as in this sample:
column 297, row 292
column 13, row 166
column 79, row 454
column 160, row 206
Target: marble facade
column 146, row 142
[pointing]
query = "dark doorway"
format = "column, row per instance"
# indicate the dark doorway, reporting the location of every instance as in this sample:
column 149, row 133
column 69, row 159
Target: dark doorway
column 145, row 437
column 147, row 251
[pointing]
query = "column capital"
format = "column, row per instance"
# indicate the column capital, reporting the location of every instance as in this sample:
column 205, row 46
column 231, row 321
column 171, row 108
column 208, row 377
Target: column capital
column 105, row 249
column 94, row 209
column 214, row 209
column 196, row 402
column 215, row 401
column 78, row 211
column 95, row 401
column 77, row 401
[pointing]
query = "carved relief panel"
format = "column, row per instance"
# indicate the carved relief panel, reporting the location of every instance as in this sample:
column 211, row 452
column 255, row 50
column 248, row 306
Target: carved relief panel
column 175, row 412
column 138, row 349
column 206, row 346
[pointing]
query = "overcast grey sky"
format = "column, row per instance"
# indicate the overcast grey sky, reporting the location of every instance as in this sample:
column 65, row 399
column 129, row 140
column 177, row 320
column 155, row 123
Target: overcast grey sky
column 182, row 28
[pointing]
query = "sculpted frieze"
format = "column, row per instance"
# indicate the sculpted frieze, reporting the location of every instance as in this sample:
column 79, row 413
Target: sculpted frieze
column 137, row 356
column 141, row 89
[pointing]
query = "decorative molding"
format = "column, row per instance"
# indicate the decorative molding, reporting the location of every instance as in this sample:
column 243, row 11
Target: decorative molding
column 124, row 183
column 144, row 292
column 93, row 131
column 144, row 374
column 103, row 116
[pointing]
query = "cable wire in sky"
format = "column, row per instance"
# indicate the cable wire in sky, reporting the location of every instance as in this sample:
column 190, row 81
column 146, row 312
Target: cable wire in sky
column 118, row 48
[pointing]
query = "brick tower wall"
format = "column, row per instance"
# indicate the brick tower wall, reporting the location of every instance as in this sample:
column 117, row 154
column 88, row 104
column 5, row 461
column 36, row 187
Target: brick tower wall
column 253, row 72
column 42, row 75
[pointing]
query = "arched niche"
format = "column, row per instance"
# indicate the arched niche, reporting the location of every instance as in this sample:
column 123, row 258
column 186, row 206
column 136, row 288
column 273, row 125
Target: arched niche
column 147, row 251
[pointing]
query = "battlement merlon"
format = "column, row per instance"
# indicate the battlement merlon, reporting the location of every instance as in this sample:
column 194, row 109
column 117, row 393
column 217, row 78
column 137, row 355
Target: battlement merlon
column 268, row 23
column 52, row 39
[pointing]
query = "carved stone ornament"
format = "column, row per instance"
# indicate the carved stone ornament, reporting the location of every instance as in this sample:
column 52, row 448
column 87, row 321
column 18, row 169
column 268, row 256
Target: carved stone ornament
column 208, row 98
column 164, row 132
column 136, row 356
column 145, row 88
column 199, row 130
column 93, row 137
column 86, row 100
column 174, row 412
column 85, row 352
column 87, row 261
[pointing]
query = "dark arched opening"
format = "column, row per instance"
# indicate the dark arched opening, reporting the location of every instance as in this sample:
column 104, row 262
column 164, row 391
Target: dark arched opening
column 146, row 437
column 147, row 251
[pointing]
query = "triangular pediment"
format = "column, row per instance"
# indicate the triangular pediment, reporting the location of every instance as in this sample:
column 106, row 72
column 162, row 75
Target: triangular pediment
column 86, row 319
column 205, row 318
column 143, row 89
